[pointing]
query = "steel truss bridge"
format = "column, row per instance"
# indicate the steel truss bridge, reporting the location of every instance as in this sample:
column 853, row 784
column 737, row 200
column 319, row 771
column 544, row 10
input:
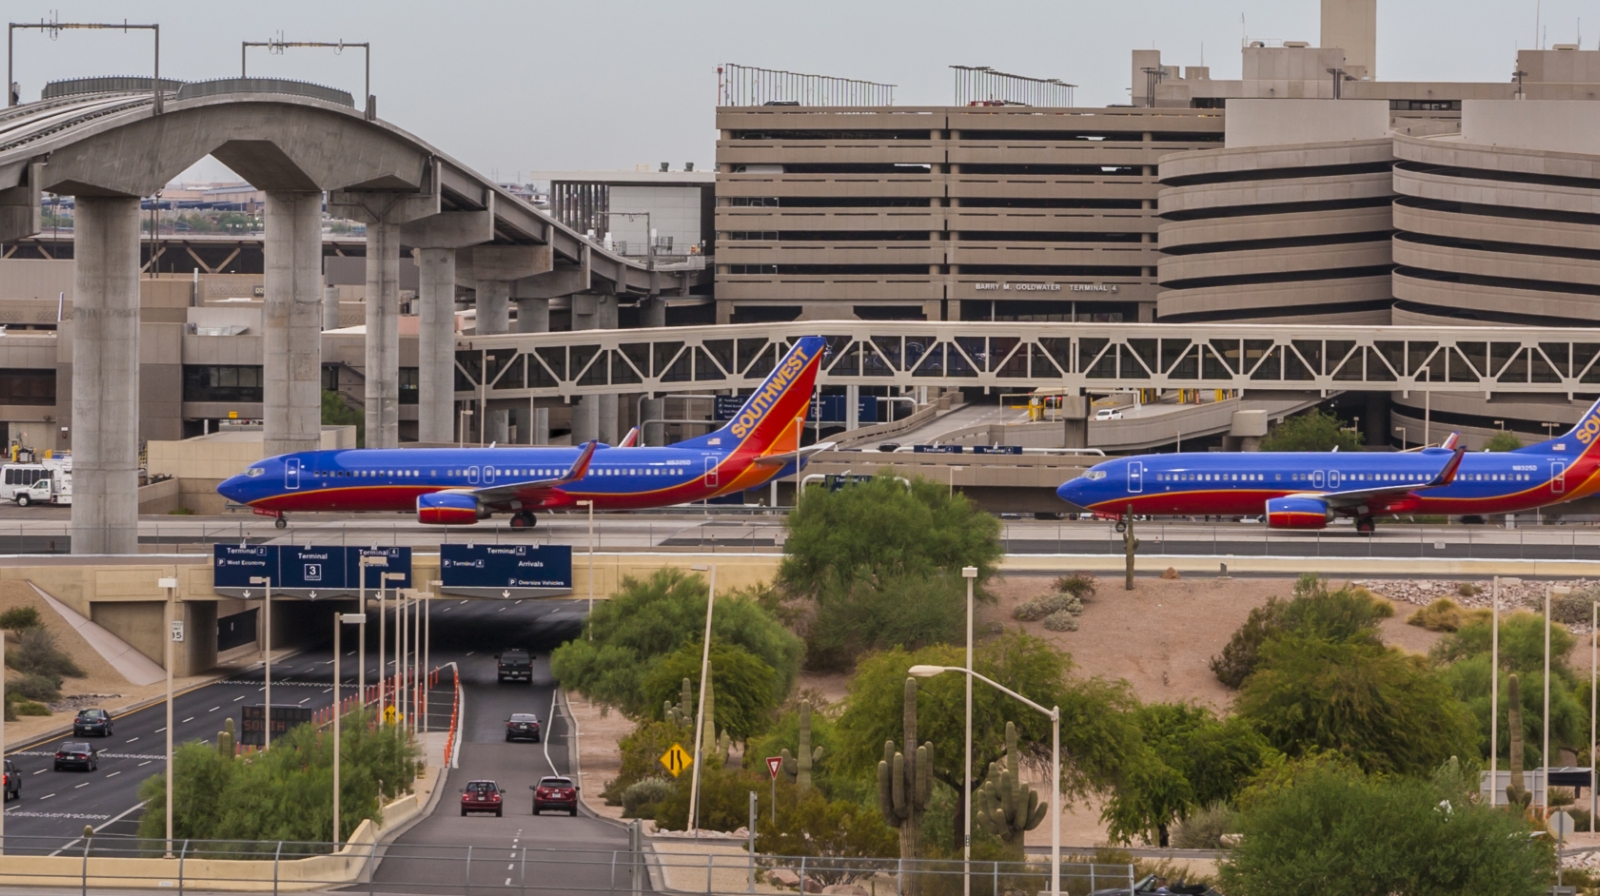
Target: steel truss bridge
column 1074, row 357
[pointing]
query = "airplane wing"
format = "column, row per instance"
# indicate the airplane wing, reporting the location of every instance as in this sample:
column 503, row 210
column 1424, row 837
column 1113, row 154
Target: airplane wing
column 1386, row 495
column 778, row 460
column 631, row 439
column 496, row 495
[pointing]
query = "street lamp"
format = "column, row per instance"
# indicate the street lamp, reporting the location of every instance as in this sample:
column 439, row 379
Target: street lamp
column 384, row 578
column 700, row 714
column 461, row 442
column 427, row 644
column 1402, row 431
column 365, row 561
column 589, row 620
column 1501, row 424
column 266, row 743
column 340, row 620
column 171, row 587
column 1055, row 759
column 970, row 573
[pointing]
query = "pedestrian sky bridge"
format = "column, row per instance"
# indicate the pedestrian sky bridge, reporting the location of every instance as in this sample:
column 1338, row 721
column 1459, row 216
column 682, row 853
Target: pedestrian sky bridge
column 1075, row 357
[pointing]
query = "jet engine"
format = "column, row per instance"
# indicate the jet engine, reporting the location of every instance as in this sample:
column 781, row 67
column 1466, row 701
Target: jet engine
column 1297, row 513
column 449, row 509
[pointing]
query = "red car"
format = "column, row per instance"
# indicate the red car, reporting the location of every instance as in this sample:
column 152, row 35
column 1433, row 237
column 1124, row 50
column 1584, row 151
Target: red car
column 481, row 796
column 555, row 793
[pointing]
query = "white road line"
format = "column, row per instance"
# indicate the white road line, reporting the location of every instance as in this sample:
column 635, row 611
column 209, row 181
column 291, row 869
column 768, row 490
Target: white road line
column 49, row 795
column 469, row 653
column 132, row 739
column 148, row 761
column 42, row 771
column 215, row 708
column 544, row 736
column 87, row 783
column 508, row 880
column 191, row 719
column 114, row 774
column 242, row 696
column 330, row 690
column 302, row 702
column 159, row 730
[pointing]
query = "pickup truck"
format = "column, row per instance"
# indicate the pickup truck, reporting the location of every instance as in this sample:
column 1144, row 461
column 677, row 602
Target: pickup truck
column 515, row 665
column 54, row 489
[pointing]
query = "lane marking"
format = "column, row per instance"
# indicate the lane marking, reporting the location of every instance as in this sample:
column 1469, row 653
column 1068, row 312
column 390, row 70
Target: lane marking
column 161, row 729
column 130, row 740
column 215, row 708
column 46, row 796
column 241, row 697
column 148, row 761
column 114, row 774
column 187, row 721
column 81, row 786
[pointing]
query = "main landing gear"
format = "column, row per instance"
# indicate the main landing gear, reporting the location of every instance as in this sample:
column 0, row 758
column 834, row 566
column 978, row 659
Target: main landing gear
column 1365, row 525
column 523, row 519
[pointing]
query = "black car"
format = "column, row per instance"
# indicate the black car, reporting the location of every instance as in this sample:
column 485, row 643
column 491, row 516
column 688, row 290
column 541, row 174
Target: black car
column 522, row 726
column 92, row 722
column 1151, row 884
column 515, row 665
column 77, row 755
column 11, row 780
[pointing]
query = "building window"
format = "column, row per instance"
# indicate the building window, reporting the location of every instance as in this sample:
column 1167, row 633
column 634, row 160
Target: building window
column 222, row 382
column 409, row 379
column 25, row 386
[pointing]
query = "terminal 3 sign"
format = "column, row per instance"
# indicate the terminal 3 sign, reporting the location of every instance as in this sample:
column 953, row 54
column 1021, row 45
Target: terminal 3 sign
column 309, row 571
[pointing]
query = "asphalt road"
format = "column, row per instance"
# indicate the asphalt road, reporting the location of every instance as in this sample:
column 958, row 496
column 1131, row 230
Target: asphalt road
column 550, row 853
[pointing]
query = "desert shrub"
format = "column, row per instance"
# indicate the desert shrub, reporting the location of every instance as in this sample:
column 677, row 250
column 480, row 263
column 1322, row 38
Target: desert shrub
column 1061, row 621
column 1469, row 589
column 18, row 619
column 640, row 798
column 1079, row 585
column 36, row 653
column 31, row 686
column 810, row 824
column 1443, row 615
column 910, row 611
column 1203, row 829
column 1041, row 607
column 1349, row 614
column 724, row 800
column 1574, row 608
column 641, row 752
column 30, row 708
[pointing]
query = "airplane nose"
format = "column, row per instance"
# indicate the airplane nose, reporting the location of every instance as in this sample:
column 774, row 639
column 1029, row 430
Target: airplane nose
column 1071, row 491
column 231, row 488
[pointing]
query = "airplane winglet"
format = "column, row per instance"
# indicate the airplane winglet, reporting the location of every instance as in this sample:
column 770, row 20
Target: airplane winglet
column 631, row 439
column 1450, row 441
column 1447, row 474
column 580, row 467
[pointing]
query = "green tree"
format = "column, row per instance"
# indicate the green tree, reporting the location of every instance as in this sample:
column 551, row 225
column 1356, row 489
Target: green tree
column 741, row 682
column 784, row 734
column 1347, row 614
column 1383, row 709
column 1187, row 758
column 1504, row 440
column 336, row 412
column 648, row 620
column 1336, row 832
column 1314, row 430
column 1521, row 643
column 641, row 751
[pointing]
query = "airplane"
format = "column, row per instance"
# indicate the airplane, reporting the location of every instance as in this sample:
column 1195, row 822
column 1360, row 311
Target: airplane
column 1307, row 490
column 459, row 486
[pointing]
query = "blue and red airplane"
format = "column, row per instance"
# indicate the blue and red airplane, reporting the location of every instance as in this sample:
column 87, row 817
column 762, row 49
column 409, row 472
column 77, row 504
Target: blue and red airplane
column 448, row 486
column 1305, row 490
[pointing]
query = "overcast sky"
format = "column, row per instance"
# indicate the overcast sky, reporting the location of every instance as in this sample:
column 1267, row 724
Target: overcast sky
column 510, row 87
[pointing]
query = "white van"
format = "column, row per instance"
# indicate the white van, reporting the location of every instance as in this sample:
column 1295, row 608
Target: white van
column 16, row 479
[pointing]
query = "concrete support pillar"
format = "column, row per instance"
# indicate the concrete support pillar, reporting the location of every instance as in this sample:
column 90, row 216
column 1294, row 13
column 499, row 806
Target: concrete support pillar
column 653, row 434
column 585, row 419
column 1075, row 421
column 540, row 432
column 436, row 346
column 292, row 311
column 330, row 308
column 606, row 319
column 499, row 431
column 653, row 312
column 494, row 307
column 852, row 407
column 1376, row 420
column 105, row 381
column 533, row 315
column 383, row 335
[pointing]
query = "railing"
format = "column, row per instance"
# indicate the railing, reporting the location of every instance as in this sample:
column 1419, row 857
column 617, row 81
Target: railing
column 720, row 868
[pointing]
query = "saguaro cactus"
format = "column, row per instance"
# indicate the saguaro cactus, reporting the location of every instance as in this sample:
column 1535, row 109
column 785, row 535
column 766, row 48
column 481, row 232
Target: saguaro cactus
column 1005, row 806
column 225, row 746
column 683, row 711
column 1517, row 795
column 798, row 768
column 905, row 782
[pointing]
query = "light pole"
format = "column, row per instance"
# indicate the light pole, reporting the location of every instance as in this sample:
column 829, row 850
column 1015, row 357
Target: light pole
column 462, row 441
column 361, row 676
column 427, row 643
column 384, row 578
column 339, row 622
column 1544, row 754
column 589, row 620
column 1054, row 713
column 170, row 585
column 1494, row 695
column 5, row 775
column 266, row 743
column 970, row 573
column 700, row 714
column 1402, row 431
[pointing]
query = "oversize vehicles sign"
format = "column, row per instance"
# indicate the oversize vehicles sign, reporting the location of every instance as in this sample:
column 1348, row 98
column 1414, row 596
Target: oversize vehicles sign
column 304, row 571
column 505, row 570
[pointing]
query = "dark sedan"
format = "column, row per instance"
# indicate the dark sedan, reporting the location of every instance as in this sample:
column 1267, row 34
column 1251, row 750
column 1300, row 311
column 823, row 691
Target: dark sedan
column 92, row 723
column 77, row 755
column 522, row 726
column 481, row 796
column 11, row 782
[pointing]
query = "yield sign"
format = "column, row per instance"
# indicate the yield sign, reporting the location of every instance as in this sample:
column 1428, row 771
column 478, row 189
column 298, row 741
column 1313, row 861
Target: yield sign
column 676, row 759
column 774, row 765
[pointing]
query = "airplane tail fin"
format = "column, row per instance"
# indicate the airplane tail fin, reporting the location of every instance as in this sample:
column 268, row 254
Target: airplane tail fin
column 776, row 410
column 1581, row 438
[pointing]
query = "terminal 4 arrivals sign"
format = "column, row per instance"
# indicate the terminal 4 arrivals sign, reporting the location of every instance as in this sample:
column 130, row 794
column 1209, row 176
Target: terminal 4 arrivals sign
column 512, row 571
column 304, row 571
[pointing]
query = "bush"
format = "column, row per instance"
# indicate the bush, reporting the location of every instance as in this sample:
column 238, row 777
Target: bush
column 724, row 800
column 742, row 685
column 1203, row 829
column 1061, row 621
column 910, row 611
column 1521, row 643
column 1443, row 615
column 1574, row 608
column 1503, row 440
column 29, row 708
column 1041, row 607
column 640, row 798
column 36, row 653
column 31, row 686
column 18, row 619
column 1469, row 589
column 1314, row 430
column 641, row 752
column 811, row 825
column 1079, row 585
column 1347, row 615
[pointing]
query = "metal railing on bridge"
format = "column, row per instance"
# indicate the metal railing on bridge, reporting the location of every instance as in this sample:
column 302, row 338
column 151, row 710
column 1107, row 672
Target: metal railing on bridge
column 1032, row 355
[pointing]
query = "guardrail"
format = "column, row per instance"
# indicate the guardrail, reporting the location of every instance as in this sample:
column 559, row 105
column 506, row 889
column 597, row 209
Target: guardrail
column 105, row 864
